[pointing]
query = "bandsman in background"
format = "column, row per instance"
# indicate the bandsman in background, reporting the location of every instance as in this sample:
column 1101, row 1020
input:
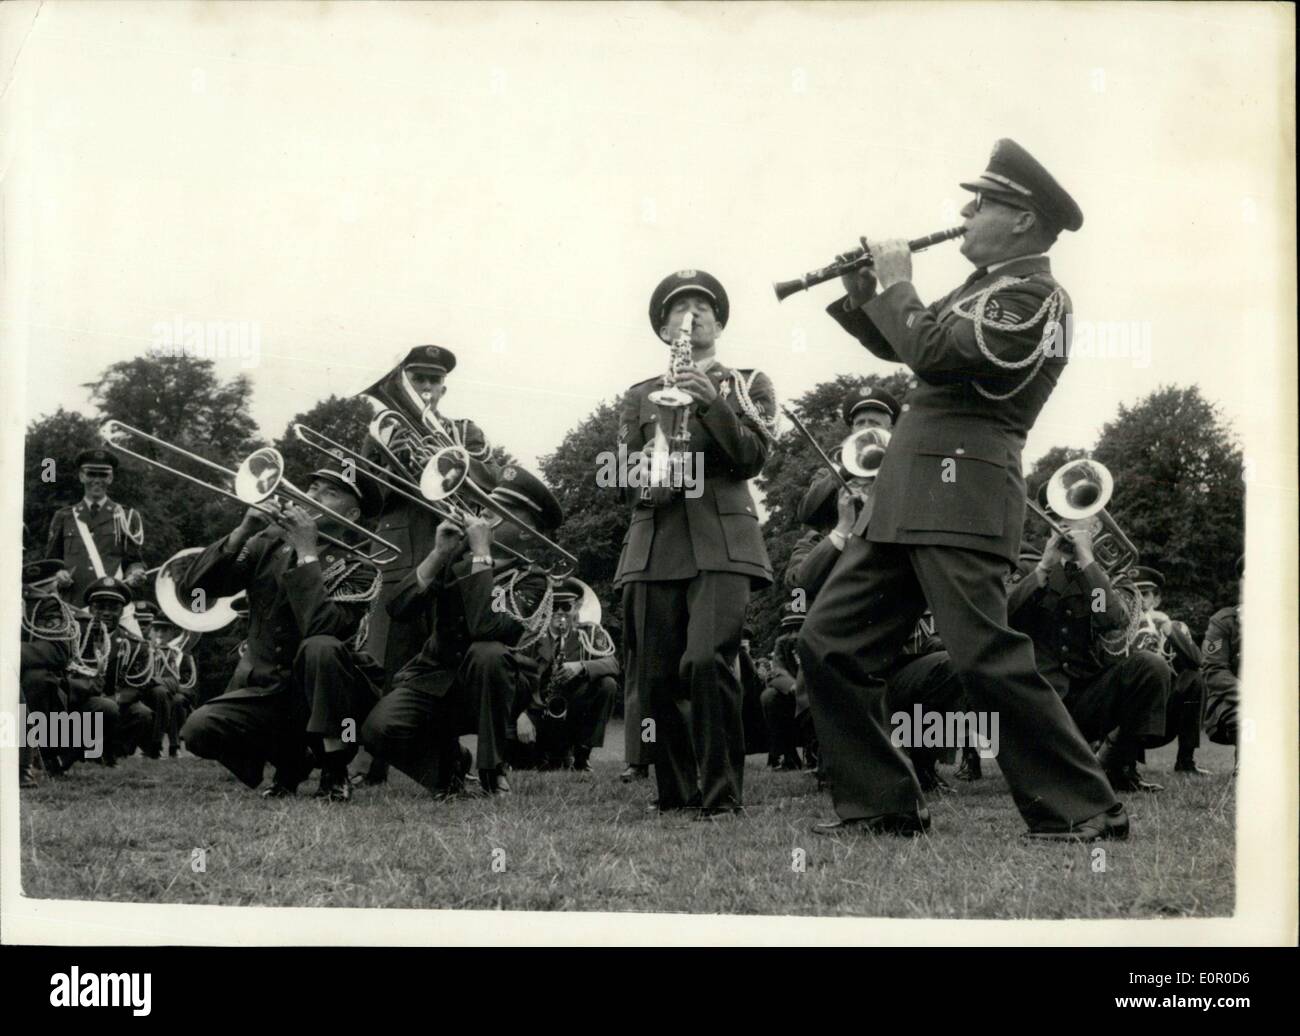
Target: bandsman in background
column 485, row 609
column 300, row 685
column 1082, row 628
column 780, row 708
column 693, row 553
column 751, row 701
column 175, row 670
column 50, row 634
column 143, row 699
column 417, row 382
column 1221, row 665
column 97, row 536
column 97, row 674
column 564, row 716
column 1173, row 641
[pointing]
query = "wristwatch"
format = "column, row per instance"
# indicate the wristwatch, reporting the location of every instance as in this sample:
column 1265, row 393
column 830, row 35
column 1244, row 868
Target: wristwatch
column 306, row 559
column 481, row 559
column 838, row 538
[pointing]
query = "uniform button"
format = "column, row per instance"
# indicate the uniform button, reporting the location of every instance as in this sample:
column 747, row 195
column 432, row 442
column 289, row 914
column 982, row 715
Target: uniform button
column 959, row 451
column 912, row 383
column 906, row 407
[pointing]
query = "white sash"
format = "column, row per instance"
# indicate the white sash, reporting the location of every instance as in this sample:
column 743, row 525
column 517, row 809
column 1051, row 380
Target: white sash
column 97, row 563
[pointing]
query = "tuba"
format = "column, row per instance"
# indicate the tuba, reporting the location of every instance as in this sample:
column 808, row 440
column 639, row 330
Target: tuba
column 217, row 615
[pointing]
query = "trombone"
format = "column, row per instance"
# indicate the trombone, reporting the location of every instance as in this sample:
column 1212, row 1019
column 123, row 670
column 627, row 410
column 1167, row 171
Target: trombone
column 1081, row 489
column 259, row 478
column 446, row 473
column 861, row 453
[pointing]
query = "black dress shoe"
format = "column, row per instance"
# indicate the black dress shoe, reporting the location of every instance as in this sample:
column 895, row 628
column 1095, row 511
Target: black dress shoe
column 790, row 762
column 906, row 824
column 1113, row 825
column 334, row 787
column 930, row 781
column 279, row 791
column 582, row 759
column 1128, row 779
column 1189, row 766
column 970, row 769
column 716, row 814
column 634, row 773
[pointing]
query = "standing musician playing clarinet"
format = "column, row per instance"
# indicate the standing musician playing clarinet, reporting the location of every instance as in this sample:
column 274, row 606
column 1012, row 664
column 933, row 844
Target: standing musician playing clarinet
column 692, row 555
column 948, row 512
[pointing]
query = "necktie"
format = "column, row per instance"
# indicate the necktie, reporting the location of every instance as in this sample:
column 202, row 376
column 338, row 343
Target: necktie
column 94, row 510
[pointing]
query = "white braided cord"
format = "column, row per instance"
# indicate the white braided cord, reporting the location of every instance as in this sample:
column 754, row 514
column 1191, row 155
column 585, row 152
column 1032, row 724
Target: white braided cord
column 766, row 426
column 973, row 308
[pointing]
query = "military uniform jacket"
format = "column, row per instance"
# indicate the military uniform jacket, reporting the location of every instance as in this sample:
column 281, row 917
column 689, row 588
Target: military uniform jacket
column 411, row 529
column 548, row 652
column 810, row 564
column 951, row 476
column 116, row 674
column 1221, row 661
column 287, row 603
column 718, row 530
column 117, row 551
column 460, row 608
column 1060, row 618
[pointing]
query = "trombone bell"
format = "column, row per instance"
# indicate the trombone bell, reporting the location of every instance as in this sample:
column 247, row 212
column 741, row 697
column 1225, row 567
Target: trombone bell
column 864, row 451
column 260, row 475
column 1080, row 489
column 444, row 474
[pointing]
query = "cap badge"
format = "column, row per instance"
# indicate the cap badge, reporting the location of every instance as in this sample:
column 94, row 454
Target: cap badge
column 508, row 475
column 686, row 274
column 432, row 352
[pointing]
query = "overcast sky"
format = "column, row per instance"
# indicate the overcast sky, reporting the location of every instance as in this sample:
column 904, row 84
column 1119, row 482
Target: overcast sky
column 512, row 181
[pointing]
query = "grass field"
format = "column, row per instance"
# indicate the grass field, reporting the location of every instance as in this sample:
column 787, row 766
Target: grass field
column 566, row 841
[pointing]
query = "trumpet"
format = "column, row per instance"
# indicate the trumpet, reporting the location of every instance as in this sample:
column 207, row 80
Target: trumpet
column 259, row 478
column 855, row 259
column 445, row 475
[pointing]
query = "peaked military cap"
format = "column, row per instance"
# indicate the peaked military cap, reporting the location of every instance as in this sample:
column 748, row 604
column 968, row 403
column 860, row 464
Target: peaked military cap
column 40, row 571
column 108, row 588
column 1013, row 173
column 876, row 398
column 1144, row 576
column 684, row 282
column 360, row 486
column 98, row 457
column 519, row 488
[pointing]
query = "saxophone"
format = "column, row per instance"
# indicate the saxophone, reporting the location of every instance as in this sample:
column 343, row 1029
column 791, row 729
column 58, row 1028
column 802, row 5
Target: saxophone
column 672, row 432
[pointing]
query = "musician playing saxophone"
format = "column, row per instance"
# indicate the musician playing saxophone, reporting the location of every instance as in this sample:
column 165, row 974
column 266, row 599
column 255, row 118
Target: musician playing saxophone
column 564, row 716
column 691, row 560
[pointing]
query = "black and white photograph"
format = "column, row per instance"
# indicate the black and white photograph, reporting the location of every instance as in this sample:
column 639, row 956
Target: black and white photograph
column 654, row 474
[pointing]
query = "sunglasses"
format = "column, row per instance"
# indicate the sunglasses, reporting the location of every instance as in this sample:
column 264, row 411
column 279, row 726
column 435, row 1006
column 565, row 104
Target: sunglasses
column 981, row 197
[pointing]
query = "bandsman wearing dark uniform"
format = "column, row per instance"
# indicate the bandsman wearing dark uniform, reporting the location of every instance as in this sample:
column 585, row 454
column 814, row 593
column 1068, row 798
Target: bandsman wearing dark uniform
column 468, row 676
column 948, row 511
column 105, row 673
column 692, row 557
column 143, row 698
column 175, row 670
column 97, row 537
column 1221, row 664
column 1173, row 641
column 49, row 636
column 299, row 685
column 780, row 708
column 573, row 694
column 419, row 380
column 751, row 696
column 1117, row 694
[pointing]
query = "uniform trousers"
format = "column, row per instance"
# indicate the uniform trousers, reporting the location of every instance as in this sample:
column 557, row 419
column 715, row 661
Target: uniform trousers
column 683, row 636
column 589, row 703
column 851, row 643
column 1129, row 698
column 327, row 694
column 417, row 725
